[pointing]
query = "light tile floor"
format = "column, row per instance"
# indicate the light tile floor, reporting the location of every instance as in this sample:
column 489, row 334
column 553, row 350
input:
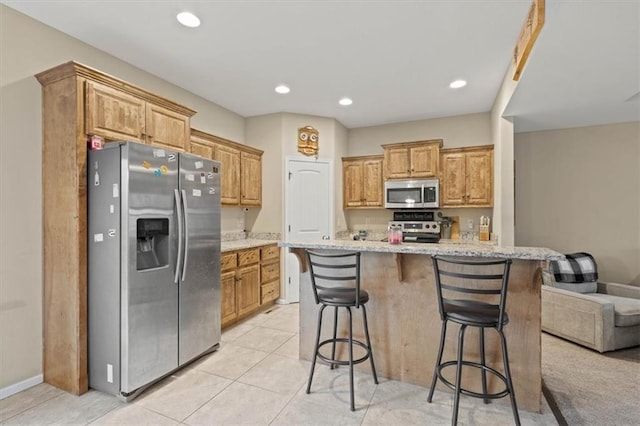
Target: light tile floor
column 256, row 378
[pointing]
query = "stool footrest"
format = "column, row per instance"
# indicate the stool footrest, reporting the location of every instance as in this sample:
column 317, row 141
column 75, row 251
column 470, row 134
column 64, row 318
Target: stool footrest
column 343, row 362
column 467, row 392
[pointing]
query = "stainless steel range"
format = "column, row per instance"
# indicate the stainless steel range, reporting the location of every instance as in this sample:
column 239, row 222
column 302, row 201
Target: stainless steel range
column 417, row 227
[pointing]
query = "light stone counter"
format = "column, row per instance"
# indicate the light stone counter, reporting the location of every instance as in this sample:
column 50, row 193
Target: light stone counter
column 245, row 244
column 469, row 249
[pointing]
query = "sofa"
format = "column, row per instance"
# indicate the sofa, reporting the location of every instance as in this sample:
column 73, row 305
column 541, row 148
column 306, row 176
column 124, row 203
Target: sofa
column 599, row 315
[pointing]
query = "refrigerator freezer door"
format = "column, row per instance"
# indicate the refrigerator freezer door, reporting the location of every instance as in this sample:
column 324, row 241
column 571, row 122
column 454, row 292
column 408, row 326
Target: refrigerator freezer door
column 199, row 311
column 149, row 304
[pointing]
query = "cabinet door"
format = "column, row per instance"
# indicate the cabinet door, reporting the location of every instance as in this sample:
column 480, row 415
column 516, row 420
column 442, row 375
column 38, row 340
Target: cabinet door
column 396, row 163
column 453, row 181
column 372, row 183
column 352, row 173
column 229, row 301
column 250, row 179
column 248, row 289
column 229, row 159
column 167, row 128
column 424, row 161
column 479, row 178
column 112, row 114
column 201, row 147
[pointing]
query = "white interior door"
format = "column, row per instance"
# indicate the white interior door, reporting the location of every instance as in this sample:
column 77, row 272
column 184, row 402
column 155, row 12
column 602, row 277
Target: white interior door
column 309, row 208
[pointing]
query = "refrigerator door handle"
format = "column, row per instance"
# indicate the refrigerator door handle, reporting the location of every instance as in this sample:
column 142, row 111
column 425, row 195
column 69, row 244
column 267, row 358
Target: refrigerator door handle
column 186, row 234
column 180, row 236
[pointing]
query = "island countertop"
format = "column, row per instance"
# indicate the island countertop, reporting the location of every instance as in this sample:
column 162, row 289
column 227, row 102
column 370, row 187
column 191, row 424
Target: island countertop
column 467, row 250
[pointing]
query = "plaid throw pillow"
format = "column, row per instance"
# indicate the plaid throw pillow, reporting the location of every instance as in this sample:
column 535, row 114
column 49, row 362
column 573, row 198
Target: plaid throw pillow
column 577, row 268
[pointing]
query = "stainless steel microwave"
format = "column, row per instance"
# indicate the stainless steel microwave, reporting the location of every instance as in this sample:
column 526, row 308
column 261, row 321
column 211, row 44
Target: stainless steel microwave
column 411, row 194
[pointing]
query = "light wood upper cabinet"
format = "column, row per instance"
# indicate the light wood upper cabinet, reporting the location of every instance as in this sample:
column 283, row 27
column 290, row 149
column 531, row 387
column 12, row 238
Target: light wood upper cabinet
column 362, row 181
column 250, row 179
column 117, row 115
column 166, row 128
column 201, row 146
column 412, row 159
column 113, row 114
column 230, row 179
column 467, row 177
column 241, row 168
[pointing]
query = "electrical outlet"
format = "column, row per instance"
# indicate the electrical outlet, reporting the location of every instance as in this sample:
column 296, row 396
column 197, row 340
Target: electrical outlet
column 470, row 223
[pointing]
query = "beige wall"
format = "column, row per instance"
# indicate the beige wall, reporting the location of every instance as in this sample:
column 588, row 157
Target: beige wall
column 265, row 132
column 579, row 190
column 459, row 131
column 26, row 48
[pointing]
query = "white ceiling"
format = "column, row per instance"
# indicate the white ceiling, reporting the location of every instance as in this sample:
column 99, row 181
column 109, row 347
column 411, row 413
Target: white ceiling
column 394, row 58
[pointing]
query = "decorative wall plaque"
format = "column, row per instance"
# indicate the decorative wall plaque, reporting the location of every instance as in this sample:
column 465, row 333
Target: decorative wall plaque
column 308, row 141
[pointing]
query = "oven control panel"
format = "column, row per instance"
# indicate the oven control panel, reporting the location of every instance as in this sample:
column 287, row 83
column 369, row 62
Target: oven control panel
column 418, row 226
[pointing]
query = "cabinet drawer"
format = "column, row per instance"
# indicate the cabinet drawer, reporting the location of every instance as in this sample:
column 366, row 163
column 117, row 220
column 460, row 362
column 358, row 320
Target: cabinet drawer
column 270, row 272
column 247, row 257
column 270, row 252
column 270, row 291
column 228, row 261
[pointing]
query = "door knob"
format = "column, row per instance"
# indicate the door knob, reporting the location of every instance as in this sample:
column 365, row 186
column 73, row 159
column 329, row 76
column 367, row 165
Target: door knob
column 325, row 237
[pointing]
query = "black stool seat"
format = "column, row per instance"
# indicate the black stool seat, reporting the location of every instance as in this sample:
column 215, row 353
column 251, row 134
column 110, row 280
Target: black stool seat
column 455, row 285
column 342, row 297
column 474, row 313
column 335, row 278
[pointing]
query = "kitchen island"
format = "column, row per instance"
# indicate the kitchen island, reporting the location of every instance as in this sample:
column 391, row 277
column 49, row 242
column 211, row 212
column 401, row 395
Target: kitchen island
column 404, row 321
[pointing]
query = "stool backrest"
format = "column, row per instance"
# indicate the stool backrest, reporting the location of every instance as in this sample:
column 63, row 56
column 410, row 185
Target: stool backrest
column 334, row 271
column 458, row 279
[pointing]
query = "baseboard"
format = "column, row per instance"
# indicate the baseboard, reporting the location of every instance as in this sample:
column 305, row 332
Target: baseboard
column 20, row 386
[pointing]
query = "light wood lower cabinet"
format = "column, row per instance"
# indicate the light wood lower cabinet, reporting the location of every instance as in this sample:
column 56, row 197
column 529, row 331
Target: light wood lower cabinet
column 229, row 302
column 248, row 289
column 250, row 280
column 269, row 274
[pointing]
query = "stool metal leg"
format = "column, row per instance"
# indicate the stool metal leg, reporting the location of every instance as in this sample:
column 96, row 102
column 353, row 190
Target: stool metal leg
column 443, row 334
column 335, row 332
column 366, row 333
column 353, row 405
column 315, row 350
column 507, row 371
column 483, row 361
column 456, row 398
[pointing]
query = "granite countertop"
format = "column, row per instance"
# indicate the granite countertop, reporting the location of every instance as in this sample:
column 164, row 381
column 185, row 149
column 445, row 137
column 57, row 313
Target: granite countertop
column 469, row 249
column 244, row 244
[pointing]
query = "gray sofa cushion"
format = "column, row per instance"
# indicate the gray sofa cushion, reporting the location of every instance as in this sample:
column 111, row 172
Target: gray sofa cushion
column 586, row 287
column 627, row 311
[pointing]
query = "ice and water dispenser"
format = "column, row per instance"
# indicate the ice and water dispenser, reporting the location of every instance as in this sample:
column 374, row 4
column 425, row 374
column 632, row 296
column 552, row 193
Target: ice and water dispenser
column 153, row 243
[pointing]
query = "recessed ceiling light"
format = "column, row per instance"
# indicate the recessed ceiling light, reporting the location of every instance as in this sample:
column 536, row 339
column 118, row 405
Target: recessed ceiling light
column 345, row 101
column 283, row 89
column 188, row 19
column 458, row 84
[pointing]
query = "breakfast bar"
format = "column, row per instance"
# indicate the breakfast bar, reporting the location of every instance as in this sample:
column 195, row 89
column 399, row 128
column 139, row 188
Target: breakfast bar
column 404, row 321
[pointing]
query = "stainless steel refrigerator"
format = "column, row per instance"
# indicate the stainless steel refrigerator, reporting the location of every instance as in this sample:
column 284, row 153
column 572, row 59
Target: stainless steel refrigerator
column 153, row 264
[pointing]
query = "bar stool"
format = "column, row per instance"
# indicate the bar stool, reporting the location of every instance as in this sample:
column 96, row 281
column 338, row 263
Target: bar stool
column 335, row 279
column 480, row 278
